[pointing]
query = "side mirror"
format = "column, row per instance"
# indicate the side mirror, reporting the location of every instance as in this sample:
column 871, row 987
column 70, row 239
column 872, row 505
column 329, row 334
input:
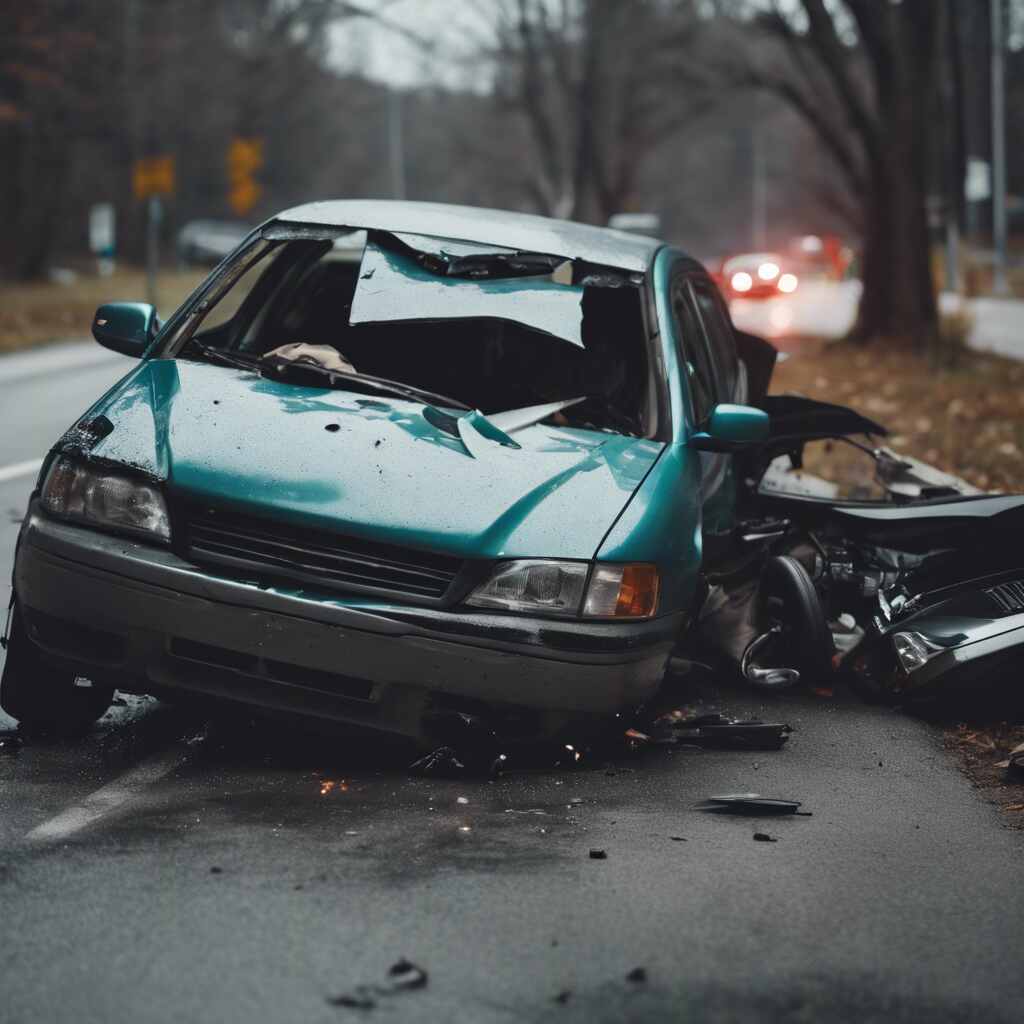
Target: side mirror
column 125, row 327
column 730, row 428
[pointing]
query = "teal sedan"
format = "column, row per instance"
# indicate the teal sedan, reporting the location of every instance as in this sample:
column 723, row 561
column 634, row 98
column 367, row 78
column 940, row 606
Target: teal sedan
column 392, row 462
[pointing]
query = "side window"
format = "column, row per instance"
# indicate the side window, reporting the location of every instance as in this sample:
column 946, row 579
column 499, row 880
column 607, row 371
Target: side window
column 721, row 337
column 693, row 353
column 232, row 295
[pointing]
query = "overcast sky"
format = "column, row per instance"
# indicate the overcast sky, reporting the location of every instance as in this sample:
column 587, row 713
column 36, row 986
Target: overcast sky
column 453, row 31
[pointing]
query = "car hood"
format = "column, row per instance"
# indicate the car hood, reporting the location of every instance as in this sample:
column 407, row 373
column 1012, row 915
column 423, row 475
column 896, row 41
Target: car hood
column 368, row 466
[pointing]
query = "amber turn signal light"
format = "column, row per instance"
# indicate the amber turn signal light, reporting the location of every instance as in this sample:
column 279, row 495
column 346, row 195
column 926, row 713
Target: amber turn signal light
column 622, row 592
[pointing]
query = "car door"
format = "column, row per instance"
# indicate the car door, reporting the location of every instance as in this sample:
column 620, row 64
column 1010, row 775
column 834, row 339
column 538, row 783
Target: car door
column 706, row 383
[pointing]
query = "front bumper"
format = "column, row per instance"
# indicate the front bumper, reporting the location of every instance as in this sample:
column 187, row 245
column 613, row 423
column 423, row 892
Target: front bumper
column 142, row 618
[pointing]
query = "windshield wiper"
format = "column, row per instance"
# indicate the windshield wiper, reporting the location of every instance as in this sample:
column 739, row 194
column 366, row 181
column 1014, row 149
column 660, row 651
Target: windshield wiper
column 378, row 385
column 216, row 355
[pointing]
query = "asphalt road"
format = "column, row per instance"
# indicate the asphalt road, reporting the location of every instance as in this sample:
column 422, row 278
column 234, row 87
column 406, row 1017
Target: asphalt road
column 166, row 869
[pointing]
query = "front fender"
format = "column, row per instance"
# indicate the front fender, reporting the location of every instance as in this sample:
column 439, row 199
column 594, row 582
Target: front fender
column 662, row 524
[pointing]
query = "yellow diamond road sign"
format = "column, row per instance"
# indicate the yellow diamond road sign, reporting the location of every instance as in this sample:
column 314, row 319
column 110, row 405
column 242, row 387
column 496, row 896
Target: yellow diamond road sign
column 245, row 158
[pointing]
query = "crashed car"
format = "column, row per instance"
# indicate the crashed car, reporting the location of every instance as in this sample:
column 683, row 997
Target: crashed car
column 391, row 461
column 397, row 462
column 912, row 593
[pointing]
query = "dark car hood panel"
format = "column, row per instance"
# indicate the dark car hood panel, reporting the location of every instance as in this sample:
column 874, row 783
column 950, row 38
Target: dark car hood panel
column 228, row 436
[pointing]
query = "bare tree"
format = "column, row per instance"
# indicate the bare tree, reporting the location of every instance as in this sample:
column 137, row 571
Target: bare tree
column 863, row 74
column 593, row 81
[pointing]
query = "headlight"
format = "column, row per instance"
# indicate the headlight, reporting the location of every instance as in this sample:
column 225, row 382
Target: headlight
column 913, row 650
column 105, row 499
column 561, row 588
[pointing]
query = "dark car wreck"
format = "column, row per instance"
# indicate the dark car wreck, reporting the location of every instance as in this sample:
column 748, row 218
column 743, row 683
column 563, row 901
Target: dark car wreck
column 395, row 462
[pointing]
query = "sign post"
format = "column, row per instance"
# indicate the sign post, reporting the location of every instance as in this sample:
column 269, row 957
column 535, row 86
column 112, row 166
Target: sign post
column 153, row 178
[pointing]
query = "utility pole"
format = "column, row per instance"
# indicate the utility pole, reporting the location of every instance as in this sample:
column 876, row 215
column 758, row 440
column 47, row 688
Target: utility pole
column 999, row 283
column 396, row 142
column 953, row 141
column 759, row 185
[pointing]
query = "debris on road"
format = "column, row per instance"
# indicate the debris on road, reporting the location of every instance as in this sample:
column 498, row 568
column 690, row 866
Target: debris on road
column 751, row 804
column 763, row 837
column 598, row 855
column 403, row 976
column 718, row 731
column 1015, row 762
column 638, row 975
column 563, row 997
column 442, row 762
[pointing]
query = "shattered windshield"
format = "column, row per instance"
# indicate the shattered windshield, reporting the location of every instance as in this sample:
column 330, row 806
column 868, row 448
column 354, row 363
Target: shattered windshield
column 452, row 323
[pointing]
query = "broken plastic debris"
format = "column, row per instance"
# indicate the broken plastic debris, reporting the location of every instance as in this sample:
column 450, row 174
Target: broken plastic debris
column 461, row 800
column 1015, row 762
column 443, row 761
column 751, row 803
column 763, row 837
column 598, row 855
column 638, row 975
column 718, row 731
column 403, row 976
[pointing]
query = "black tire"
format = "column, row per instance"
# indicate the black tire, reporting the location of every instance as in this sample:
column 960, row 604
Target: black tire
column 42, row 698
column 787, row 598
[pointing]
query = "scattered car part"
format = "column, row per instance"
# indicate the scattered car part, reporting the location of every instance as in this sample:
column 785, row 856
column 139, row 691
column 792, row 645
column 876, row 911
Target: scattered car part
column 767, row 678
column 402, row 976
column 751, row 804
column 1015, row 762
column 717, row 731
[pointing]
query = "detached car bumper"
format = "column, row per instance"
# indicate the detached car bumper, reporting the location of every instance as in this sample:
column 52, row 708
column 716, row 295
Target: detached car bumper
column 142, row 618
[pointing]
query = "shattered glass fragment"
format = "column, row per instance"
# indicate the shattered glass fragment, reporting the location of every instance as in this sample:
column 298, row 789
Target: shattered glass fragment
column 401, row 290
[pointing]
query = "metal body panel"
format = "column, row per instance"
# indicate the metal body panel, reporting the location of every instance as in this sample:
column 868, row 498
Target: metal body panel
column 153, row 600
column 386, row 473
column 521, row 231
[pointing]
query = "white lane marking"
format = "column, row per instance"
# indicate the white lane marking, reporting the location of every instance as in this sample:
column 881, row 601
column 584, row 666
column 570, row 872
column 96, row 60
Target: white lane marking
column 109, row 798
column 16, row 469
column 55, row 359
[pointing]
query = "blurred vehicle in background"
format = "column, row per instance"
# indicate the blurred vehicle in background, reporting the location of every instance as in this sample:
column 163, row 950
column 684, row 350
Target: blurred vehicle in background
column 636, row 223
column 757, row 275
column 207, row 242
column 821, row 256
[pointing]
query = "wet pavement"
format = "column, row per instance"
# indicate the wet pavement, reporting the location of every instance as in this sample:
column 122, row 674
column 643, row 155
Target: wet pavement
column 164, row 868
column 169, row 868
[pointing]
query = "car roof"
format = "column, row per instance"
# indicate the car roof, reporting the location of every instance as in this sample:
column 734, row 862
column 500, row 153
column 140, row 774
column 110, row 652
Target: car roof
column 523, row 231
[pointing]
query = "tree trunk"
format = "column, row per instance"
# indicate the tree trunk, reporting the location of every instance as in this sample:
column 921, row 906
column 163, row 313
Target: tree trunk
column 898, row 301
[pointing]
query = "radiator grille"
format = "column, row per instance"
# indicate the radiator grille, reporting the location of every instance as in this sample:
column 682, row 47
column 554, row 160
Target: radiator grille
column 347, row 564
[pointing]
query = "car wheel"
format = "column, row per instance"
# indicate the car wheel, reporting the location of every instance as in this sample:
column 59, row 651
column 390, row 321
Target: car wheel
column 789, row 603
column 42, row 698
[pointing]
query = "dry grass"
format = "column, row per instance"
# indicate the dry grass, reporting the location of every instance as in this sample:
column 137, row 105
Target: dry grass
column 38, row 312
column 968, row 420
